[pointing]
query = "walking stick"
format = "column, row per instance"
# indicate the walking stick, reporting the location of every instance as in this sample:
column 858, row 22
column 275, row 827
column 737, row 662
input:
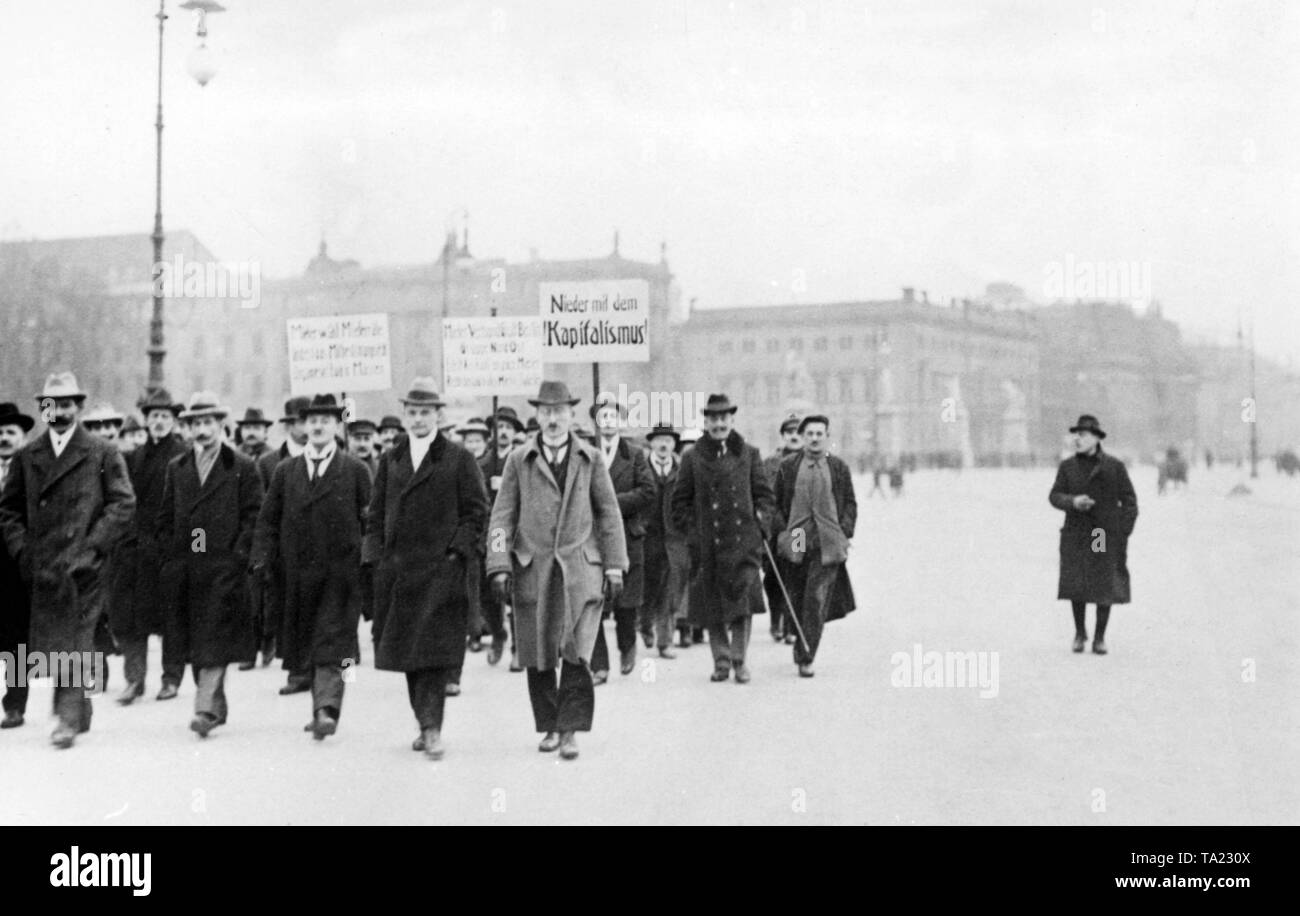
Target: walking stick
column 794, row 618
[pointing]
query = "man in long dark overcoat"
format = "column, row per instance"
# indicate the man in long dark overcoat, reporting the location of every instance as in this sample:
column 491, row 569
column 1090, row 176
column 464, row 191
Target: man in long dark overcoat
column 1100, row 505
column 211, row 498
column 635, row 490
column 816, row 515
column 505, row 426
column 556, row 553
column 724, row 503
column 137, row 605
column 15, row 602
column 312, row 522
column 67, row 504
column 427, row 513
column 667, row 561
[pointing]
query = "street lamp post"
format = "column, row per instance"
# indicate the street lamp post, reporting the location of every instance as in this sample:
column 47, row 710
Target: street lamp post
column 202, row 70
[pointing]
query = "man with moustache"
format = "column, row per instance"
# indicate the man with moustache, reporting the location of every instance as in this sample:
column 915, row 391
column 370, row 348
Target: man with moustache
column 390, row 427
column 362, row 444
column 67, row 503
column 505, row 426
column 724, row 502
column 791, row 444
column 15, row 602
column 556, row 554
column 250, row 438
column 667, row 563
column 104, row 421
column 273, row 576
column 250, row 433
column 211, row 497
column 136, row 592
column 425, row 524
column 816, row 516
column 312, row 521
column 635, row 489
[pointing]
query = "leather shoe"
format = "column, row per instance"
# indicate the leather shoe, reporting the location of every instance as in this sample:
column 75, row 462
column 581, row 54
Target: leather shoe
column 514, row 662
column 1098, row 647
column 648, row 638
column 720, row 674
column 495, row 652
column 132, row 693
column 247, row 666
column 599, row 677
column 742, row 674
column 294, row 688
column 416, row 745
column 805, row 671
column 203, row 723
column 791, row 639
column 777, row 635
column 63, row 736
column 1078, row 643
column 475, row 644
column 13, row 718
column 568, row 746
column 550, row 743
column 169, row 692
column 452, row 690
column 324, row 724
column 627, row 661
column 433, row 748
column 667, row 652
column 683, row 639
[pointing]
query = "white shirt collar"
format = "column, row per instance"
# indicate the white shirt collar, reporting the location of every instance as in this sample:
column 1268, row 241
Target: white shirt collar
column 326, row 455
column 58, row 441
column 560, row 449
column 293, row 448
column 609, row 447
column 420, row 446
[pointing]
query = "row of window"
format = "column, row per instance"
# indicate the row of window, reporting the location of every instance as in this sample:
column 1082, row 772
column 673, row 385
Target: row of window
column 776, row 345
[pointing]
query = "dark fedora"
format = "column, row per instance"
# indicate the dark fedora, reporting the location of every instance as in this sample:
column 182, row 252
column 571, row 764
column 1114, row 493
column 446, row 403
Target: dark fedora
column 293, row 408
column 506, row 414
column 813, row 418
column 664, row 431
column 322, row 404
column 789, row 423
column 253, row 416
column 718, row 403
column 552, row 394
column 533, row 426
column 423, row 393
column 391, row 422
column 362, row 426
column 10, row 416
column 158, row 399
column 1088, row 424
column 605, row 401
column 474, row 425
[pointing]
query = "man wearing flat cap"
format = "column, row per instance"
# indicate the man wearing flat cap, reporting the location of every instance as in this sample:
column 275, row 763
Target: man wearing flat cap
column 1093, row 489
column 816, row 514
column 312, row 522
column 556, row 553
column 424, row 528
column 15, row 600
column 210, row 502
column 362, row 444
column 136, row 593
column 791, row 444
column 67, row 503
column 723, row 501
column 635, row 489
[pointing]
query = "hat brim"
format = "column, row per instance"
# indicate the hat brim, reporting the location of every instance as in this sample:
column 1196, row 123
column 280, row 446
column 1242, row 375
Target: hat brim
column 219, row 413
column 254, row 423
column 407, row 402
column 174, row 409
column 335, row 412
column 707, row 412
column 1088, row 429
column 21, row 420
column 653, row 435
column 73, row 395
column 571, row 402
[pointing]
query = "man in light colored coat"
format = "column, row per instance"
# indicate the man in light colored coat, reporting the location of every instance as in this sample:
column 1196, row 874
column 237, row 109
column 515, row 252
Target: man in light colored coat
column 556, row 551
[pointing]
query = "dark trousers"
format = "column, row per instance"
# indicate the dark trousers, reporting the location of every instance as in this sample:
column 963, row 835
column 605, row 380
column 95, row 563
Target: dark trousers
column 494, row 615
column 812, row 584
column 173, row 652
column 665, row 583
column 327, row 690
column 624, row 636
column 210, row 695
column 427, row 689
column 72, row 706
column 15, row 699
column 135, row 657
column 564, row 700
column 728, row 644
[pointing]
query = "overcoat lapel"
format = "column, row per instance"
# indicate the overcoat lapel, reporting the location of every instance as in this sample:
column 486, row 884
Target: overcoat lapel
column 218, row 477
column 73, row 454
column 435, row 451
column 328, row 482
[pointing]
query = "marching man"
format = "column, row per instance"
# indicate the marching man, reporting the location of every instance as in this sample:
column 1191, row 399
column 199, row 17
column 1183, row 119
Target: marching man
column 312, row 522
column 556, row 552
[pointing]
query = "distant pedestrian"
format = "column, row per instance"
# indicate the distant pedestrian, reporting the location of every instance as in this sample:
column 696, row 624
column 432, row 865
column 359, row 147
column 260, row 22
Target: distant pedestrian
column 1100, row 505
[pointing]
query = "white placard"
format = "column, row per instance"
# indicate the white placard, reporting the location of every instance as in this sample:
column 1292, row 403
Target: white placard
column 491, row 356
column 339, row 353
column 595, row 321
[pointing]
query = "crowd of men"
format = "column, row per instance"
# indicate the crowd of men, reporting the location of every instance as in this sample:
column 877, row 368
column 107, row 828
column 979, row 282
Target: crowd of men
column 492, row 535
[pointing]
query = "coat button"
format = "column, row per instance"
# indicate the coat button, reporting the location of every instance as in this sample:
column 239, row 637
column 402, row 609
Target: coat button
column 715, row 505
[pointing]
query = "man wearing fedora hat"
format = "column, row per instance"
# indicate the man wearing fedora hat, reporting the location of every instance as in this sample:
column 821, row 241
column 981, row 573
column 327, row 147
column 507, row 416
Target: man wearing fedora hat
column 134, row 435
column 724, row 503
column 312, row 522
column 556, row 553
column 136, row 603
column 272, row 577
column 211, row 497
column 505, row 426
column 250, row 433
column 390, row 427
column 67, row 503
column 1093, row 489
column 791, row 444
column 667, row 562
column 15, row 602
column 635, row 489
column 423, row 531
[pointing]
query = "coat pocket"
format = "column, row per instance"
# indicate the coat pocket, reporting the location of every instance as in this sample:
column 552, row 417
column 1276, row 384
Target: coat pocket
column 591, row 553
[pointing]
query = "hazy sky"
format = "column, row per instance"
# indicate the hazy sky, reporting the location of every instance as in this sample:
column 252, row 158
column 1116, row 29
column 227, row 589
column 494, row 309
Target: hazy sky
column 857, row 147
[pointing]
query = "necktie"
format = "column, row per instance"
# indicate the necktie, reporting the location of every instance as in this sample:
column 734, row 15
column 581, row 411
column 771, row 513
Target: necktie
column 315, row 468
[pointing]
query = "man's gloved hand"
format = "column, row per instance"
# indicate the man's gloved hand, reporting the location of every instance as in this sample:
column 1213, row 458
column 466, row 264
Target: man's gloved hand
column 613, row 584
column 501, row 587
